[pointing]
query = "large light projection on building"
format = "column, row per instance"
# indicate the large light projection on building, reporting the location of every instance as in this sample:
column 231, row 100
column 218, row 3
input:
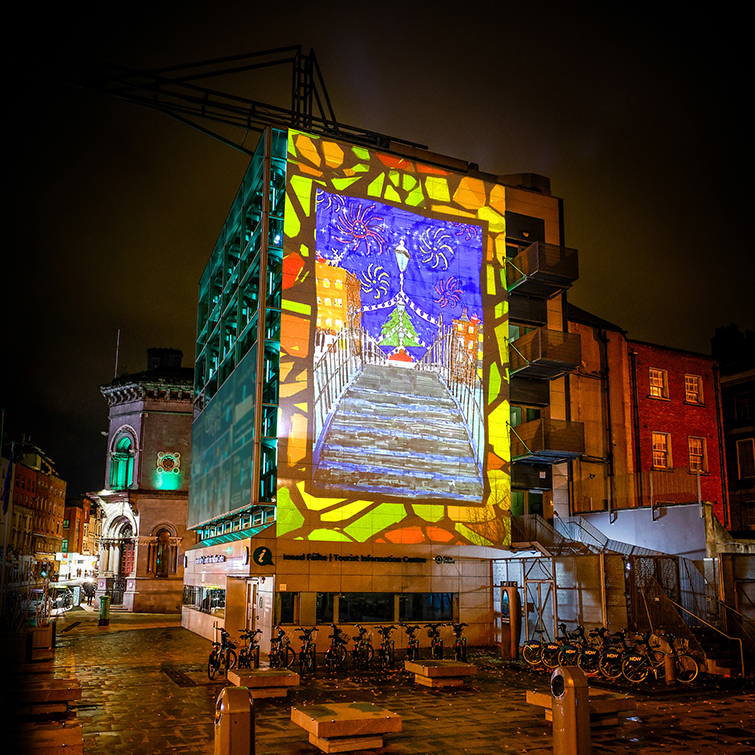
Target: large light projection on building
column 393, row 399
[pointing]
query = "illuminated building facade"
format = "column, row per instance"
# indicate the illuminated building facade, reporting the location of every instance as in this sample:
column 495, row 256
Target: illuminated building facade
column 35, row 509
column 143, row 529
column 354, row 454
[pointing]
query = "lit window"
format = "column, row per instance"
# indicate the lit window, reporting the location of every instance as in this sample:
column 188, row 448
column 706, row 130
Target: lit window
column 339, row 283
column 658, row 383
column 661, row 450
column 698, row 457
column 64, row 546
column 327, row 301
column 325, row 283
column 693, row 389
column 746, row 458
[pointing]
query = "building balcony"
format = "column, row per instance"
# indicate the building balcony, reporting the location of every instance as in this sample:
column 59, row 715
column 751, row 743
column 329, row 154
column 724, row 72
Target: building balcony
column 547, row 441
column 542, row 270
column 544, row 354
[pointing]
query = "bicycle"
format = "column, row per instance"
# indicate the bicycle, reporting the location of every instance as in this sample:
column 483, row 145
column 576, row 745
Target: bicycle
column 335, row 655
column 537, row 653
column 412, row 643
column 436, row 641
column 646, row 659
column 460, row 646
column 612, row 656
column 249, row 655
column 362, row 652
column 308, row 651
column 223, row 653
column 687, row 668
column 387, row 649
column 281, row 654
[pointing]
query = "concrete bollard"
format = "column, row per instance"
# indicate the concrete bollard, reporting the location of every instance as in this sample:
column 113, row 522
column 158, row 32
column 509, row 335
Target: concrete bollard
column 234, row 722
column 571, row 712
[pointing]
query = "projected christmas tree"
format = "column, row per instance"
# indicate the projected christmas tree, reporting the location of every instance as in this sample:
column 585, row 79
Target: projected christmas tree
column 398, row 329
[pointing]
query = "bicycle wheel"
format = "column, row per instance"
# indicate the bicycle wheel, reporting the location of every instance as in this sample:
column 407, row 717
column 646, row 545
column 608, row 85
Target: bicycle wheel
column 288, row 657
column 368, row 653
column 550, row 655
column 233, row 659
column 531, row 653
column 213, row 665
column 391, row 654
column 588, row 660
column 635, row 668
column 340, row 656
column 610, row 663
column 687, row 668
column 244, row 659
column 568, row 655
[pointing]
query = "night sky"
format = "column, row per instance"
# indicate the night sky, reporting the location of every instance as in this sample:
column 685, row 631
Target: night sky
column 639, row 119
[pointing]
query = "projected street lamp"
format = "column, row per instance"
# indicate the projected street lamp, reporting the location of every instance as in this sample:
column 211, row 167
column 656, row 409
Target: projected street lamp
column 402, row 258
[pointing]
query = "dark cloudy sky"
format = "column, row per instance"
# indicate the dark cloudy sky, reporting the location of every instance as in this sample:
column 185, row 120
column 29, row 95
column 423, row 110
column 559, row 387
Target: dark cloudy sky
column 640, row 118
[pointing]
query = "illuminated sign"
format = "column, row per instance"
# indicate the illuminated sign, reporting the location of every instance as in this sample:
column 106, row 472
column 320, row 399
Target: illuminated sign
column 393, row 396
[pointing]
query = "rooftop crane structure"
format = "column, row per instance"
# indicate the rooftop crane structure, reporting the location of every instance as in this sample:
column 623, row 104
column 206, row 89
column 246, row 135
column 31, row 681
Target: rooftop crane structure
column 184, row 92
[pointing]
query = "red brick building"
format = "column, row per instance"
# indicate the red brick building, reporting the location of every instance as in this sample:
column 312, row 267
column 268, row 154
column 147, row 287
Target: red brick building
column 677, row 427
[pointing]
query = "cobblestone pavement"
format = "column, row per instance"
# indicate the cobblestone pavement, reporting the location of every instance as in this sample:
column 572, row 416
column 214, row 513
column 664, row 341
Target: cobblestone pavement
column 145, row 690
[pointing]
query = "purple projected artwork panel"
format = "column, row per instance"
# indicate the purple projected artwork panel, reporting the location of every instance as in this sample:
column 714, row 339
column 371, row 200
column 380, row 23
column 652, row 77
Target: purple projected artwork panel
column 397, row 359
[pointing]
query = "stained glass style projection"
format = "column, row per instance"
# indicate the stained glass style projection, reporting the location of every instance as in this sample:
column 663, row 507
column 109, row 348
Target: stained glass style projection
column 393, row 391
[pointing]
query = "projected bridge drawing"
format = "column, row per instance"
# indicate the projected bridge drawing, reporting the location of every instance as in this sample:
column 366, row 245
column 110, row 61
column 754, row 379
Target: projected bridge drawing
column 397, row 359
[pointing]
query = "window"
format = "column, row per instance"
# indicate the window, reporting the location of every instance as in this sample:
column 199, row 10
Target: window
column 693, row 389
column 746, row 458
column 66, row 524
column 162, row 561
column 698, row 455
column 661, row 450
column 658, row 383
column 325, row 604
column 519, row 415
column 64, row 546
column 426, row 606
column 748, row 514
column 744, row 408
column 287, row 607
column 365, row 607
column 122, row 464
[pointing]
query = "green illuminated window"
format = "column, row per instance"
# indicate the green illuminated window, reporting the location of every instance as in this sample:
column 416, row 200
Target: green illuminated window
column 122, row 464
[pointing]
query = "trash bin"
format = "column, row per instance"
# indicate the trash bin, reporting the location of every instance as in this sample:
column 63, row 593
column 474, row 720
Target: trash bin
column 234, row 722
column 104, row 611
column 571, row 712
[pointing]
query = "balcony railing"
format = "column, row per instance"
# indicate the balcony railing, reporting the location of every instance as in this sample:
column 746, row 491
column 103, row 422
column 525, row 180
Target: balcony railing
column 547, row 441
column 542, row 270
column 545, row 354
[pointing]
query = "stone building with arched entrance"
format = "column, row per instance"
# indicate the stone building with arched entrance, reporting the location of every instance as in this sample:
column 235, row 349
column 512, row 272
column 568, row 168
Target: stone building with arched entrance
column 144, row 500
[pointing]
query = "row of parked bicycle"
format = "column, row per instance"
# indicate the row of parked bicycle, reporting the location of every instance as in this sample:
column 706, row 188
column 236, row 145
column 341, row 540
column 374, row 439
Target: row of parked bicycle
column 362, row 654
column 611, row 655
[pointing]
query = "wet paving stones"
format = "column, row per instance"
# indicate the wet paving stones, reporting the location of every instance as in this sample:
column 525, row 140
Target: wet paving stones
column 145, row 690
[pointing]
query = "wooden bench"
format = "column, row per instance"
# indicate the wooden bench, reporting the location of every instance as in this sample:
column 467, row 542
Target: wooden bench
column 264, row 682
column 52, row 738
column 344, row 727
column 440, row 673
column 605, row 706
column 41, row 696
